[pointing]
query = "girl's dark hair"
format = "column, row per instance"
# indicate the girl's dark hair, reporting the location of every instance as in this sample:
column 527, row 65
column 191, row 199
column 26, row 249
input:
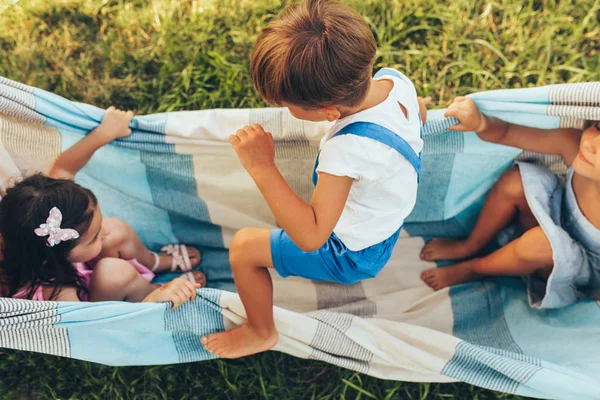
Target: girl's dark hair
column 28, row 262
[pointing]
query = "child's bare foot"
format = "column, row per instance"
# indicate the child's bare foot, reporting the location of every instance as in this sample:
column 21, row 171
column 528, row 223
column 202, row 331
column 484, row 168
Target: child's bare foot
column 240, row 342
column 445, row 249
column 439, row 278
column 175, row 258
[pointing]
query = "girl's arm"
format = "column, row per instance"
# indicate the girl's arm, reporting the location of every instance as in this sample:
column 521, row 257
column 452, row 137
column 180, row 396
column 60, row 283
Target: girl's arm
column 563, row 142
column 114, row 125
column 64, row 294
column 308, row 225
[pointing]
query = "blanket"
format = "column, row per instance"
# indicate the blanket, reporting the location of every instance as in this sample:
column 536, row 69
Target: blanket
column 176, row 179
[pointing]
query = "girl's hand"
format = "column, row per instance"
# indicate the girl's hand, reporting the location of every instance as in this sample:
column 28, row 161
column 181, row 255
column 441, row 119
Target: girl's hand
column 114, row 125
column 470, row 119
column 178, row 291
column 254, row 147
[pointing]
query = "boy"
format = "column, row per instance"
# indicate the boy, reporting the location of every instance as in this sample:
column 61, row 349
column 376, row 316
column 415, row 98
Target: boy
column 316, row 59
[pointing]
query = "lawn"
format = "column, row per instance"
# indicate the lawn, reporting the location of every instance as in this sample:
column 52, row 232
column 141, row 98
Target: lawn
column 164, row 55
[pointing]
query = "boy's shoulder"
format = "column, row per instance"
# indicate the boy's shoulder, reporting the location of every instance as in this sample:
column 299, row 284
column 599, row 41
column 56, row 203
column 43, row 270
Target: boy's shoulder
column 397, row 76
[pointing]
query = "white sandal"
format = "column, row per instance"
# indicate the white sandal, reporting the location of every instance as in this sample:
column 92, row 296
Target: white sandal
column 179, row 259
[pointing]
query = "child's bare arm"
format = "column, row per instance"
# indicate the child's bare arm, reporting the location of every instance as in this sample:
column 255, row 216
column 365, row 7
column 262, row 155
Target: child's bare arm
column 64, row 293
column 114, row 125
column 563, row 142
column 308, row 225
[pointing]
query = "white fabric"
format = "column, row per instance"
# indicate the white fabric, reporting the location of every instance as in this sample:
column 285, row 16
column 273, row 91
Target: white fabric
column 384, row 190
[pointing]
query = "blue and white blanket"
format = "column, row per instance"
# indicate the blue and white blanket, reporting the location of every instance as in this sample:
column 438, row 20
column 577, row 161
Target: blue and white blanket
column 176, row 179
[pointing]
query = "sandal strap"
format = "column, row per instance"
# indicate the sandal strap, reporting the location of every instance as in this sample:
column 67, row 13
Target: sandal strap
column 156, row 261
column 180, row 257
column 187, row 264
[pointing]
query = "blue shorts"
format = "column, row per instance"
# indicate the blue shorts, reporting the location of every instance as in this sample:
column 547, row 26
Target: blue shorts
column 333, row 262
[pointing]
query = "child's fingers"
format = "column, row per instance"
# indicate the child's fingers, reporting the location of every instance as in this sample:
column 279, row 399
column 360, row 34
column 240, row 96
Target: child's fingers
column 187, row 289
column 450, row 112
column 177, row 299
column 456, row 127
column 192, row 287
column 242, row 134
column 111, row 108
column 257, row 128
column 234, row 140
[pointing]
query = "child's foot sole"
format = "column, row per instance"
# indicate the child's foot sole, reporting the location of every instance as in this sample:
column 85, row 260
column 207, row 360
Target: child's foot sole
column 239, row 342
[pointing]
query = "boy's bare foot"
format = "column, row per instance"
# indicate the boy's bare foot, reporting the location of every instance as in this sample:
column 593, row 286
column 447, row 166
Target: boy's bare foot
column 445, row 249
column 240, row 342
column 439, row 278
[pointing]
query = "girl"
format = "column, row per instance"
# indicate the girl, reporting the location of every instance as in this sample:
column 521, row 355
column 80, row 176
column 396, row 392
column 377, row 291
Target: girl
column 56, row 245
column 559, row 248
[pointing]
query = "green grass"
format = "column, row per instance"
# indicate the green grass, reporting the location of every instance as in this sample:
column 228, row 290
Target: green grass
column 164, row 55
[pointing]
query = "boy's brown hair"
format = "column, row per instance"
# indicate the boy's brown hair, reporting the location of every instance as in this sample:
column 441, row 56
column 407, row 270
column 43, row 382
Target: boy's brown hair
column 315, row 53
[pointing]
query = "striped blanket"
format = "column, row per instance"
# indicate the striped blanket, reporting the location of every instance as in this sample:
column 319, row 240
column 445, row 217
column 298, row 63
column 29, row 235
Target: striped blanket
column 176, row 179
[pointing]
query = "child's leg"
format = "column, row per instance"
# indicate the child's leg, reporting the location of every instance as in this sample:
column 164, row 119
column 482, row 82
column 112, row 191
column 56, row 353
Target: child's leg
column 529, row 254
column 123, row 242
column 506, row 199
column 117, row 280
column 250, row 256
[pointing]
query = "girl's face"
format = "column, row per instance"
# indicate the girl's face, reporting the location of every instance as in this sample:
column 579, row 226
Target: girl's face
column 90, row 243
column 587, row 162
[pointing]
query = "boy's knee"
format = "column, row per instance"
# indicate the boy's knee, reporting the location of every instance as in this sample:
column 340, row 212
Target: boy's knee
column 241, row 242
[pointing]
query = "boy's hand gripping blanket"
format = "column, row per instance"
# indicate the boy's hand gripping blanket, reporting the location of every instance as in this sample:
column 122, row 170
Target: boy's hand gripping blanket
column 176, row 179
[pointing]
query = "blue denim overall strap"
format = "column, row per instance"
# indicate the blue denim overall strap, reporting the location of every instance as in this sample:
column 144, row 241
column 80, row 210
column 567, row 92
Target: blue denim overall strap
column 382, row 135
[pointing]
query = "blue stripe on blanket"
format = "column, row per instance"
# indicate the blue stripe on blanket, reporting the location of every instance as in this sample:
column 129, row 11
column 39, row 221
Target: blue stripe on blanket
column 492, row 368
column 478, row 311
column 193, row 320
column 112, row 333
column 541, row 333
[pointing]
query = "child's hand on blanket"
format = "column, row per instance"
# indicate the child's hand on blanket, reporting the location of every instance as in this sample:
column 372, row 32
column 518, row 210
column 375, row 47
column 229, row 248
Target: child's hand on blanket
column 472, row 120
column 114, row 125
column 255, row 148
column 178, row 291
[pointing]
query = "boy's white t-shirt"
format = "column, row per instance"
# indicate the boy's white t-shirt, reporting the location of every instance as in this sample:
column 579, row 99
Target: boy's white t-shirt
column 384, row 190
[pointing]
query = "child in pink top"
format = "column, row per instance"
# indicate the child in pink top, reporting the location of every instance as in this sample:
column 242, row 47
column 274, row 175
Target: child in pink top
column 56, row 245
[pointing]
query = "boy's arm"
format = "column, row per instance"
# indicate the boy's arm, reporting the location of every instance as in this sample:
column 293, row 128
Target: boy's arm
column 563, row 142
column 308, row 225
column 114, row 125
